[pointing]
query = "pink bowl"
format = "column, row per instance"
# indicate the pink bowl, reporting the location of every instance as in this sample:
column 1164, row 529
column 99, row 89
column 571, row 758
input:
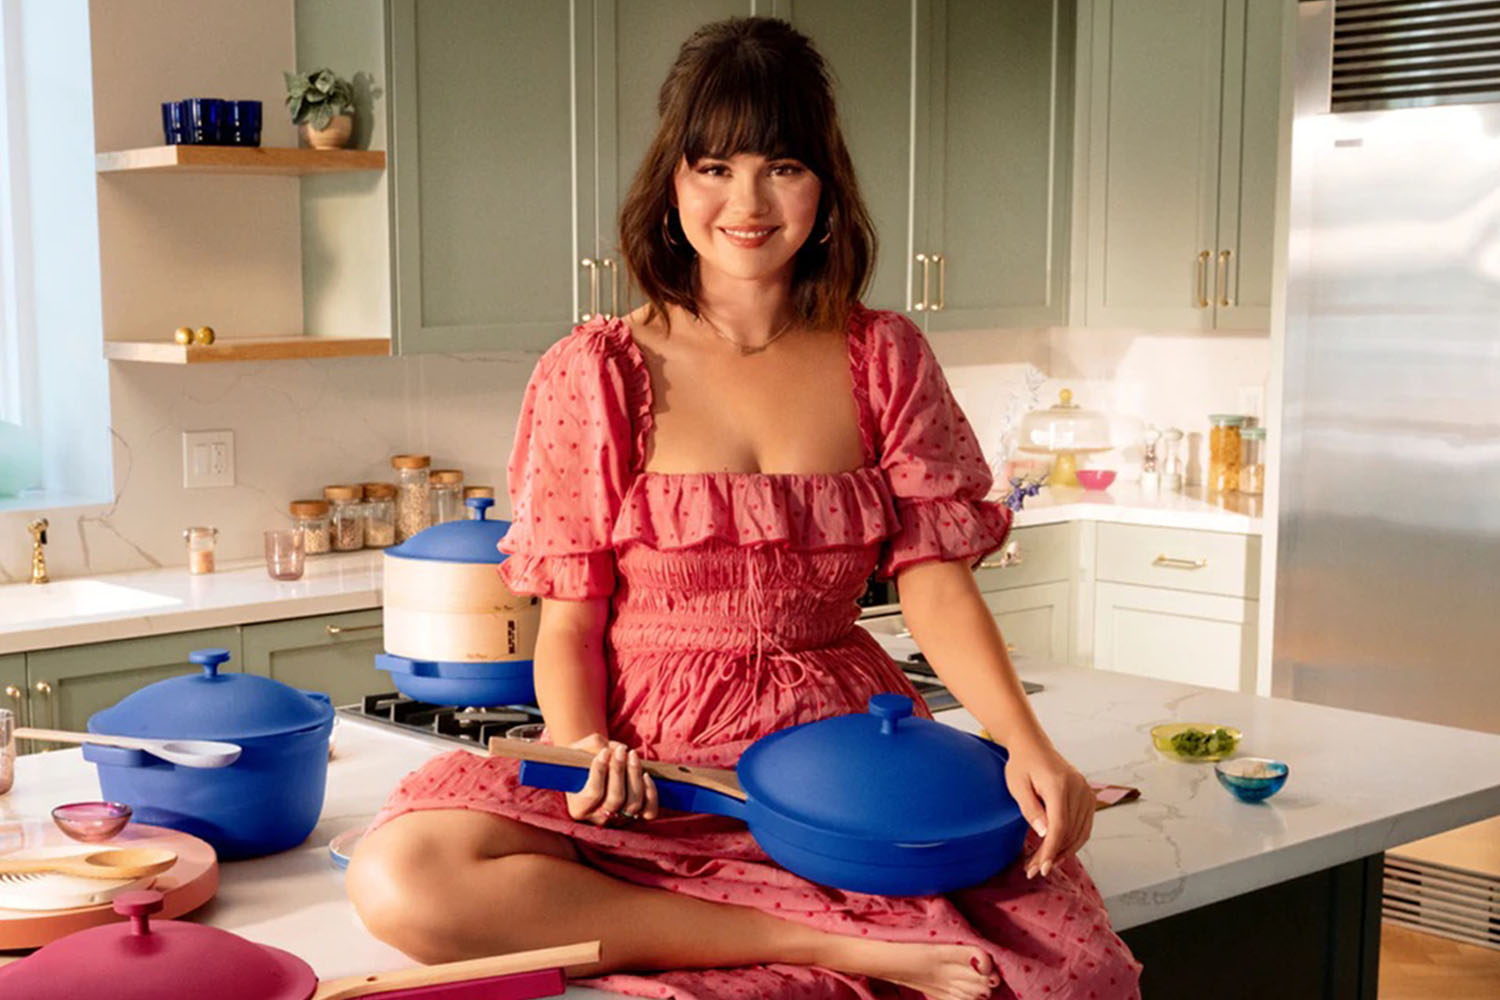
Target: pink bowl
column 1096, row 479
column 91, row 822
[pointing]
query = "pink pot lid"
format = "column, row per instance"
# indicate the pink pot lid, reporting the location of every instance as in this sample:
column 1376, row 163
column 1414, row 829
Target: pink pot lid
column 164, row 960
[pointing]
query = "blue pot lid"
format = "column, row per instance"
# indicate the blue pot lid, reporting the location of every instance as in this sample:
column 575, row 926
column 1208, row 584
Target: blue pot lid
column 471, row 541
column 881, row 775
column 213, row 706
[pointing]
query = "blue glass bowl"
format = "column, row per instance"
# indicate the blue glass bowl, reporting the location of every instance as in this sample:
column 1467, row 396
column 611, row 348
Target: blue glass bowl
column 1252, row 779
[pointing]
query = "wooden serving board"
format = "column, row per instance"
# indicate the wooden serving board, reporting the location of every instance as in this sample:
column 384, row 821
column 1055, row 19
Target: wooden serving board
column 185, row 886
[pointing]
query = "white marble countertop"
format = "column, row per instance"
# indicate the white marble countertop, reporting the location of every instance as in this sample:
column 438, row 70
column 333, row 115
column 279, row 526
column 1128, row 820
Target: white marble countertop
column 153, row 602
column 158, row 601
column 1127, row 503
column 1359, row 784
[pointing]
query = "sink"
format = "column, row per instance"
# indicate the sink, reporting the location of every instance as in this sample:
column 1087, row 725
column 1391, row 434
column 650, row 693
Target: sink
column 32, row 604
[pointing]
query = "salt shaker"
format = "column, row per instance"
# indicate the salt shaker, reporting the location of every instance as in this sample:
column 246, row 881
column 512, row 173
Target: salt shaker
column 1171, row 475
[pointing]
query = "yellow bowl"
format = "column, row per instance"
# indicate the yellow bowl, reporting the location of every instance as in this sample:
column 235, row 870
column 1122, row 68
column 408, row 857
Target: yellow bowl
column 1161, row 738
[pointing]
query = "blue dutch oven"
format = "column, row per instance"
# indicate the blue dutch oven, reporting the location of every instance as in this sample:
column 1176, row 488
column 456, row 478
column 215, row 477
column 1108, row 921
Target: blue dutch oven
column 879, row 802
column 266, row 801
column 454, row 633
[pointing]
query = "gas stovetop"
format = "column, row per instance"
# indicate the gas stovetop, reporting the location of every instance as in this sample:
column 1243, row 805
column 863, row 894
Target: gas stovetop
column 475, row 726
column 461, row 725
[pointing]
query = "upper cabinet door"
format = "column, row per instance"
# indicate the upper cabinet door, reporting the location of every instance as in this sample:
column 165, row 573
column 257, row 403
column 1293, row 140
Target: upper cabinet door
column 1153, row 156
column 1251, row 146
column 879, row 61
column 493, row 187
column 637, row 42
column 998, row 182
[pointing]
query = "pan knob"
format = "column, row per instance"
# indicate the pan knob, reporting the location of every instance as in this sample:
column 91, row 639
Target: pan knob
column 890, row 708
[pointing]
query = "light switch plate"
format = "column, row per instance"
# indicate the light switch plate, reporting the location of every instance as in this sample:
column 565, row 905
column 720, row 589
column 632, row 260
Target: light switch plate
column 207, row 458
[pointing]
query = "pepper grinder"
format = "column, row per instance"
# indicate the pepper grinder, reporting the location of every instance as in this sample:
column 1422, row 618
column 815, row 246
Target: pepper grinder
column 1150, row 476
column 1171, row 474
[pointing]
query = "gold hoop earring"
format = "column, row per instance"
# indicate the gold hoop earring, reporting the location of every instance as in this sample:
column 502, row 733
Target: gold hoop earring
column 827, row 235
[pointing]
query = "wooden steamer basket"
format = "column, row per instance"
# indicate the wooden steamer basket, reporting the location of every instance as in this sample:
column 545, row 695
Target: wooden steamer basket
column 454, row 632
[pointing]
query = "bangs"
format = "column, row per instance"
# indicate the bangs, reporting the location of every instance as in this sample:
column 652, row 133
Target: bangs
column 747, row 105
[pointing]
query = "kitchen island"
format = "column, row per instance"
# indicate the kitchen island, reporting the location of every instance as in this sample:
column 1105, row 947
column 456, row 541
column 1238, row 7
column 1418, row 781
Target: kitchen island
column 1190, row 876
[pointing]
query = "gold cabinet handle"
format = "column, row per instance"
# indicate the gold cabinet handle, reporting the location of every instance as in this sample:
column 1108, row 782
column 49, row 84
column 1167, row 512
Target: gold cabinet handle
column 44, row 689
column 925, row 261
column 1009, row 556
column 19, row 700
column 942, row 283
column 1167, row 562
column 1203, row 256
column 1221, row 279
column 346, row 629
column 613, row 267
column 593, row 269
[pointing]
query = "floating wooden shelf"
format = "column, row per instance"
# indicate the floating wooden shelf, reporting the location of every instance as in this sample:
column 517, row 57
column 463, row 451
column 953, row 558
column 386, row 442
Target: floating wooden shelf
column 246, row 349
column 188, row 159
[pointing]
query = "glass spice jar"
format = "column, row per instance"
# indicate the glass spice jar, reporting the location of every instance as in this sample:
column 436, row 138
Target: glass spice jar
column 413, row 495
column 200, row 545
column 348, row 516
column 470, row 492
column 1224, row 452
column 1253, row 461
column 447, row 495
column 311, row 521
column 380, row 515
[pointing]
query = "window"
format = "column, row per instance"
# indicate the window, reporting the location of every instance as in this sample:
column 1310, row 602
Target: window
column 54, row 384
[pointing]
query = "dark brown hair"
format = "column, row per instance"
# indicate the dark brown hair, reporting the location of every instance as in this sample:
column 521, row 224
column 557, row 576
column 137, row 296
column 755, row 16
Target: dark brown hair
column 750, row 85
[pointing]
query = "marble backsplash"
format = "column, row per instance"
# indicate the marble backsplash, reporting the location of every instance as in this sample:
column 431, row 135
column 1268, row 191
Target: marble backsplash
column 300, row 425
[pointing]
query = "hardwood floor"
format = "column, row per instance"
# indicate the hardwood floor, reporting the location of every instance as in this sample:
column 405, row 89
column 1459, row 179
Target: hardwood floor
column 1417, row 966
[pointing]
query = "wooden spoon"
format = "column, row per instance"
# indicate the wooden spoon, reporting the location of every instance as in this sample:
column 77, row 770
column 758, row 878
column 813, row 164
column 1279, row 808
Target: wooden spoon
column 117, row 862
column 188, row 753
column 415, row 979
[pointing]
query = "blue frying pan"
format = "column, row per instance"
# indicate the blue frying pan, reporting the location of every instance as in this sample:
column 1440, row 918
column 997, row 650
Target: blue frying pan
column 878, row 801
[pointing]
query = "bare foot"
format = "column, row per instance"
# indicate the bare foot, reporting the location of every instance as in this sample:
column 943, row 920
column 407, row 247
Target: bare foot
column 937, row 971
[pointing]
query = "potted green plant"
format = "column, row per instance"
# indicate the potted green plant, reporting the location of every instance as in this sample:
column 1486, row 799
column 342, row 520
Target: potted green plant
column 323, row 104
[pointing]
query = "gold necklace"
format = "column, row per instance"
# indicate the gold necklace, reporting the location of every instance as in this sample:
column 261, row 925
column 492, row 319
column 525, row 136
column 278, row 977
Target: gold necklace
column 744, row 349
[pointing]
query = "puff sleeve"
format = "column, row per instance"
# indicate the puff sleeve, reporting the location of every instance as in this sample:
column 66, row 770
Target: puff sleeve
column 570, row 467
column 929, row 454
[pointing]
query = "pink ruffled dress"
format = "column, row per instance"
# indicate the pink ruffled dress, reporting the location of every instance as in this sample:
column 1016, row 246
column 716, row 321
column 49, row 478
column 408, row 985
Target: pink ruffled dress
column 733, row 615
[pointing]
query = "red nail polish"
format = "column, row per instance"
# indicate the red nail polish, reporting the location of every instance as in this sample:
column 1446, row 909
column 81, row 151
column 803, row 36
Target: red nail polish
column 974, row 963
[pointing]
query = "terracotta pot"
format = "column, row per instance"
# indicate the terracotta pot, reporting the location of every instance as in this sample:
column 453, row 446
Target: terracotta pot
column 335, row 136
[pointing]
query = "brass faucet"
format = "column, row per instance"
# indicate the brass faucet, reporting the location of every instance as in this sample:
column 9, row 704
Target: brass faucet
column 38, row 557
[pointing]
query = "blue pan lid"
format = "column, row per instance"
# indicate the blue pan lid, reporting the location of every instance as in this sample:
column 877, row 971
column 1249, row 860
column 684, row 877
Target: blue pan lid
column 473, row 541
column 213, row 706
column 882, row 775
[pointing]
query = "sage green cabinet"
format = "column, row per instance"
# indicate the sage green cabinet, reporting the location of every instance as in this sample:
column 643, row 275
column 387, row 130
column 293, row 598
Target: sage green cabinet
column 958, row 118
column 65, row 686
column 637, row 43
column 491, row 165
column 13, row 686
column 334, row 654
column 1183, row 118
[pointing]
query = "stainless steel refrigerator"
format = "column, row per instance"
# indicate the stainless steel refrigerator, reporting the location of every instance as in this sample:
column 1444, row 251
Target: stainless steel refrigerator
column 1388, row 552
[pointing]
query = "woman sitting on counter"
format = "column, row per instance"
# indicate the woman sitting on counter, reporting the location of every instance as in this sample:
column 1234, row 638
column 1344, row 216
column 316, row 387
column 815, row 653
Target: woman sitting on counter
column 701, row 489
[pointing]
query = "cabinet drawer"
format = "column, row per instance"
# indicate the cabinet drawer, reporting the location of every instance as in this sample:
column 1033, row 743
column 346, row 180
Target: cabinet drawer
column 1203, row 639
column 1039, row 554
column 1208, row 562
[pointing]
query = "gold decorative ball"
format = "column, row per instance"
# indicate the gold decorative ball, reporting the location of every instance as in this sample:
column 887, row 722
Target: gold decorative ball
column 183, row 335
column 204, row 335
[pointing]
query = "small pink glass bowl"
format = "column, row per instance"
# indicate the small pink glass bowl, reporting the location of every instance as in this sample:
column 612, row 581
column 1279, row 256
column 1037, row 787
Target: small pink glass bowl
column 1095, row 479
column 91, row 822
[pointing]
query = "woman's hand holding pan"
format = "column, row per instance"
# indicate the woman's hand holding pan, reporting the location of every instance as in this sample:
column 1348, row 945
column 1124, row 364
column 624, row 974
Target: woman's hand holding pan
column 618, row 789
